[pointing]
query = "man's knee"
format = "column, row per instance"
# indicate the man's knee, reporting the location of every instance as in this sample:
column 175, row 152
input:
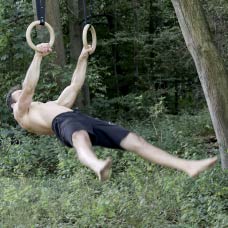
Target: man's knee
column 79, row 137
column 133, row 142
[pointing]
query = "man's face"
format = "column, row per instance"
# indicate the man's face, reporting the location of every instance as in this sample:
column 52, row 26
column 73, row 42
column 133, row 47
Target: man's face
column 16, row 95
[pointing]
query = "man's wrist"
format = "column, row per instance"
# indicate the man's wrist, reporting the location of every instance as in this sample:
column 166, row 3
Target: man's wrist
column 38, row 55
column 82, row 58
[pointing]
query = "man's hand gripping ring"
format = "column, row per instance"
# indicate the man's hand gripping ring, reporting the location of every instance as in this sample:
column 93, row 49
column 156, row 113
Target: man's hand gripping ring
column 94, row 37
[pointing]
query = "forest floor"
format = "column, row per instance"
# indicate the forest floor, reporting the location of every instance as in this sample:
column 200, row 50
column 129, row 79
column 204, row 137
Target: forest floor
column 138, row 194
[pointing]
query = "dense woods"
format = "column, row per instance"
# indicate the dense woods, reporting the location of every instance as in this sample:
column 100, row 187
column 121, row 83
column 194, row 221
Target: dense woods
column 141, row 51
column 159, row 65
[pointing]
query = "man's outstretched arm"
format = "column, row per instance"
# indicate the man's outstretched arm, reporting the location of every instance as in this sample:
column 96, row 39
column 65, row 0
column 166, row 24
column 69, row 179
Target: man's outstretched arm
column 31, row 79
column 69, row 94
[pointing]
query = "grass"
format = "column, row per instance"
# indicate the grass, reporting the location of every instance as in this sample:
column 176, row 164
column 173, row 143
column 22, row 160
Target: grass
column 139, row 194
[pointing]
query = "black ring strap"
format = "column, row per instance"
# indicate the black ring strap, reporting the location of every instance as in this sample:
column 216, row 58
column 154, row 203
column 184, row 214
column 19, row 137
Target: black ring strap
column 40, row 7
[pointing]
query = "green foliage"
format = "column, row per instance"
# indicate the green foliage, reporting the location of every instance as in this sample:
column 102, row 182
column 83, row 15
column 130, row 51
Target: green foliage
column 155, row 59
column 49, row 187
column 217, row 12
column 53, row 80
column 131, row 106
column 25, row 155
column 140, row 50
column 133, row 199
column 200, row 205
column 141, row 70
column 95, row 78
column 14, row 52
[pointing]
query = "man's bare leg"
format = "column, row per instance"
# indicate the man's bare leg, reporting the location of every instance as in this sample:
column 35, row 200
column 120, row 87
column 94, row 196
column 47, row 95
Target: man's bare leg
column 82, row 144
column 138, row 145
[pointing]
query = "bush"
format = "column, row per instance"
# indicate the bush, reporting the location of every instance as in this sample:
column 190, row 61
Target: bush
column 139, row 194
column 23, row 154
column 129, row 107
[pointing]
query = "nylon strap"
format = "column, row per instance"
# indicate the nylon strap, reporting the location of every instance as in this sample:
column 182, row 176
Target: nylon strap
column 40, row 7
column 85, row 12
column 91, row 11
column 87, row 18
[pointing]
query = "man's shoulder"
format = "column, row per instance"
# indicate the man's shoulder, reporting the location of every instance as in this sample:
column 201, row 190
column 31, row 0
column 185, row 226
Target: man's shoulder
column 22, row 114
column 18, row 114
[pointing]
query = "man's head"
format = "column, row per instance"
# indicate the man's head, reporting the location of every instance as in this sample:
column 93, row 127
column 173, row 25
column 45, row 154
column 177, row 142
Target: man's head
column 13, row 96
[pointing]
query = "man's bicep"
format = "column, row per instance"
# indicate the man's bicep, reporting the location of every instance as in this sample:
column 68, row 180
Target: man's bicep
column 68, row 96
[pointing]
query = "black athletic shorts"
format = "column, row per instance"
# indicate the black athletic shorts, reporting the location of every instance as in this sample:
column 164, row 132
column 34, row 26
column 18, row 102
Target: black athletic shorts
column 101, row 133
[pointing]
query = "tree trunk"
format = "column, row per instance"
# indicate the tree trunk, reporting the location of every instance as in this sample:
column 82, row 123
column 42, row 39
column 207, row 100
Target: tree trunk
column 135, row 6
column 210, row 67
column 112, row 18
column 74, row 29
column 53, row 18
column 75, row 9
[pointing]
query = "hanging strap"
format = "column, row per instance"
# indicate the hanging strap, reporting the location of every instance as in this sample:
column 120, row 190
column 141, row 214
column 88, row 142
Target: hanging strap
column 85, row 12
column 91, row 11
column 87, row 18
column 40, row 7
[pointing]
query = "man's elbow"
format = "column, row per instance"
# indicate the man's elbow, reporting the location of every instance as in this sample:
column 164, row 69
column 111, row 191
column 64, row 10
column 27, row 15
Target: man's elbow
column 75, row 87
column 28, row 89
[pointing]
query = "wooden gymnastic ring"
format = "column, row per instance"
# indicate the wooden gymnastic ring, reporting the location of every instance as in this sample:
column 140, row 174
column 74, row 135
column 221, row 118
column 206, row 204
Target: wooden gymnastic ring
column 29, row 30
column 94, row 37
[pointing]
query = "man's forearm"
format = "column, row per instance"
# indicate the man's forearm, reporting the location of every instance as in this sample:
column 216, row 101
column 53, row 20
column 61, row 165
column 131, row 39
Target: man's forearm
column 80, row 72
column 33, row 73
column 68, row 96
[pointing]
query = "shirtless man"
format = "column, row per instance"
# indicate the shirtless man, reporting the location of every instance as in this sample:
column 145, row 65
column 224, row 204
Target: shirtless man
column 80, row 131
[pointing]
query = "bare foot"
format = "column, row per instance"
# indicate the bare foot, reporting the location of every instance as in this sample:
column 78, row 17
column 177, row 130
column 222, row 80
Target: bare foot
column 105, row 171
column 196, row 167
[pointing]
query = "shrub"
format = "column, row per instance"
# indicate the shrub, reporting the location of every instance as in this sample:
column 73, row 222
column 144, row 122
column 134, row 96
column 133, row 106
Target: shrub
column 132, row 106
column 23, row 154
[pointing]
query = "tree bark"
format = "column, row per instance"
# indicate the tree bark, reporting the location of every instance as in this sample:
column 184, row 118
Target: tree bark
column 112, row 25
column 75, row 9
column 135, row 7
column 74, row 29
column 209, row 65
column 53, row 18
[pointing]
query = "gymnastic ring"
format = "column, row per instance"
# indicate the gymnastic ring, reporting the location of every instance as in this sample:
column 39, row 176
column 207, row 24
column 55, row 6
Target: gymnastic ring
column 94, row 37
column 29, row 30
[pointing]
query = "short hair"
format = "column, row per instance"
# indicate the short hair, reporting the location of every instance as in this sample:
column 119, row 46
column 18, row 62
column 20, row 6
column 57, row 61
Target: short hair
column 9, row 99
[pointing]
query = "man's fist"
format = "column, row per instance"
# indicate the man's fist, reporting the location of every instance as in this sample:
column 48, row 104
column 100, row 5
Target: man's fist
column 43, row 49
column 86, row 52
